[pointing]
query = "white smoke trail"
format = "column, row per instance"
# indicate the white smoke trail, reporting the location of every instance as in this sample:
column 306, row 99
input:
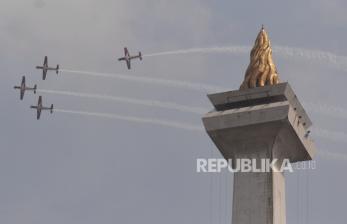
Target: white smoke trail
column 151, row 103
column 332, row 155
column 319, row 132
column 230, row 50
column 328, row 110
column 339, row 62
column 172, row 124
column 141, row 79
column 331, row 135
column 333, row 111
column 320, row 108
column 135, row 119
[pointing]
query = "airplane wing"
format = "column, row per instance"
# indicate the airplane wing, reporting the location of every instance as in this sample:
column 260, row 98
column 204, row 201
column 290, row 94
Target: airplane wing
column 126, row 52
column 22, row 93
column 38, row 114
column 46, row 61
column 48, row 108
column 22, row 88
column 38, row 107
column 128, row 64
column 133, row 57
column 44, row 74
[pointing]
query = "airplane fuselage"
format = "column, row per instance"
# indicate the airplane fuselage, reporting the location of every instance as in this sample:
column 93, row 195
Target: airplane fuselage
column 46, row 68
column 125, row 58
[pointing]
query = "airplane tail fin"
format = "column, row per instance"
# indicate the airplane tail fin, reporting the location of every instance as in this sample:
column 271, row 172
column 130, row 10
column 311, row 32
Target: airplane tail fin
column 57, row 71
column 140, row 55
column 35, row 88
column 51, row 109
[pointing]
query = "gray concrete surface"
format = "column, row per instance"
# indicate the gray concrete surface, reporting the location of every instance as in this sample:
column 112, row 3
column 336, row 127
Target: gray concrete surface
column 261, row 123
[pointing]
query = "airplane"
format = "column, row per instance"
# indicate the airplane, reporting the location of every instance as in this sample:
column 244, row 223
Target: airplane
column 45, row 68
column 39, row 108
column 23, row 87
column 127, row 58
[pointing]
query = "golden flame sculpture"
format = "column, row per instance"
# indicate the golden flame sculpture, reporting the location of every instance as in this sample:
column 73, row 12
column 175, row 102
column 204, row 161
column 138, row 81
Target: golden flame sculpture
column 261, row 70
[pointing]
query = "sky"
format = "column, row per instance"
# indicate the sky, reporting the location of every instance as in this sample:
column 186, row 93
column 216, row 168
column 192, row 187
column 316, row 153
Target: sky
column 139, row 163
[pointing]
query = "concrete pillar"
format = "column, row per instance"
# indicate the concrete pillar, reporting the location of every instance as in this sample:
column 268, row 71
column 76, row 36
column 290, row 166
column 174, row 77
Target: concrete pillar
column 260, row 123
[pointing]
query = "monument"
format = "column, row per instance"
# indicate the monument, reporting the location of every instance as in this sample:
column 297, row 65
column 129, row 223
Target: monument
column 262, row 120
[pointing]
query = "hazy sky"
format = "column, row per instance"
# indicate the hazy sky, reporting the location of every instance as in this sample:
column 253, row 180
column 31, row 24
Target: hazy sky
column 76, row 169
